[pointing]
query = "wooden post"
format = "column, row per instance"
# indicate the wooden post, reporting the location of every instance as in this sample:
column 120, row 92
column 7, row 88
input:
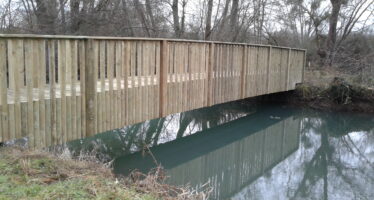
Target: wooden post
column 90, row 84
column 163, row 77
column 210, row 74
column 268, row 70
column 243, row 74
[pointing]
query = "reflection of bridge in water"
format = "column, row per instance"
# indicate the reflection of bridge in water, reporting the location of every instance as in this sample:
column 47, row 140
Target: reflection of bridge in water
column 230, row 156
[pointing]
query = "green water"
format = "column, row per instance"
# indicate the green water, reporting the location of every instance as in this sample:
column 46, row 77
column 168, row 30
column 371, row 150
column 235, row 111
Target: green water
column 252, row 152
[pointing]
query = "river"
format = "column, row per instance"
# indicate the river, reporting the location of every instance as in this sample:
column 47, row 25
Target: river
column 245, row 151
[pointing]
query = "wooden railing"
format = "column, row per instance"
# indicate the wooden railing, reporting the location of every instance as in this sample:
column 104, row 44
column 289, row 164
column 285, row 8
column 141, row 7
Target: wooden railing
column 56, row 89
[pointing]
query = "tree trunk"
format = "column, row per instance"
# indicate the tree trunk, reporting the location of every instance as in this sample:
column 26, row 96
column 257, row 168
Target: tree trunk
column 208, row 24
column 143, row 19
column 234, row 15
column 176, row 25
column 222, row 25
column 333, row 21
column 46, row 16
column 74, row 16
column 150, row 16
column 127, row 17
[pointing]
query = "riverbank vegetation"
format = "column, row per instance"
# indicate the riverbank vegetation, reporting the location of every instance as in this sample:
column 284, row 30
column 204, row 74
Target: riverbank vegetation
column 332, row 90
column 26, row 174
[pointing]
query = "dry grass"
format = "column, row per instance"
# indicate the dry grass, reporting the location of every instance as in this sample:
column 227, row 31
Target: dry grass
column 26, row 174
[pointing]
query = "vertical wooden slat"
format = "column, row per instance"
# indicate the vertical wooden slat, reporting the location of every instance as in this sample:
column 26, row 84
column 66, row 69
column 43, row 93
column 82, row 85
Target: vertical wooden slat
column 101, row 114
column 41, row 84
column 68, row 85
column 138, row 99
column 288, row 68
column 52, row 91
column 243, row 75
column 110, row 106
column 82, row 76
column 119, row 120
column 152, row 103
column 157, row 77
column 74, row 107
column 16, row 72
column 303, row 66
column 131, row 96
column 47, row 97
column 163, row 76
column 126, row 51
column 3, row 92
column 210, row 73
column 29, row 67
column 62, row 84
column 146, row 91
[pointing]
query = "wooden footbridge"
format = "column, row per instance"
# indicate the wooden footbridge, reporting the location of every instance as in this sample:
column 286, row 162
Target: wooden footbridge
column 55, row 89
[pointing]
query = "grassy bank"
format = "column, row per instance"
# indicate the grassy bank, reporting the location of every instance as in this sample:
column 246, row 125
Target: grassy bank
column 40, row 175
column 329, row 90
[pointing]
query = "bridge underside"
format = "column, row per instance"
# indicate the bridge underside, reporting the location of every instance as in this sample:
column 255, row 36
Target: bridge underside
column 55, row 90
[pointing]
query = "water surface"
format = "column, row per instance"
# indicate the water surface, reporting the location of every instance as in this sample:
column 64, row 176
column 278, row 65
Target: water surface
column 252, row 152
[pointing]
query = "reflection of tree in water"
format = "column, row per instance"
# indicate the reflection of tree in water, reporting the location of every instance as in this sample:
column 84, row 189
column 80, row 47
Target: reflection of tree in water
column 335, row 140
column 209, row 117
column 334, row 161
column 153, row 132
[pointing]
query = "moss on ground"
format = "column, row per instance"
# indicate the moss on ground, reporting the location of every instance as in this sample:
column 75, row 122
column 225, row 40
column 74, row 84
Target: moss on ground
column 25, row 175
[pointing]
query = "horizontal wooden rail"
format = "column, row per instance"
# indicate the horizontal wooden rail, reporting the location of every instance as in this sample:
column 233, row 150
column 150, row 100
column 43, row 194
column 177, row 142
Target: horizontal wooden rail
column 55, row 89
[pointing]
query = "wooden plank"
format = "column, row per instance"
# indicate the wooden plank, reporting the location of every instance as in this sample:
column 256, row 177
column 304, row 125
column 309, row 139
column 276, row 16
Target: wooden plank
column 16, row 73
column 41, row 85
column 184, row 93
column 152, row 104
column 164, row 49
column 303, row 67
column 138, row 99
column 90, row 83
column 4, row 118
column 74, row 107
column 29, row 67
column 193, row 72
column 62, row 84
column 101, row 115
column 210, row 73
column 171, row 89
column 142, row 72
column 110, row 105
column 52, row 90
column 157, row 77
column 23, row 120
column 177, row 66
column 82, row 76
column 68, row 84
column 268, row 69
column 131, row 105
column 126, row 52
column 119, row 77
column 146, row 92
column 288, row 69
column 200, row 84
column 47, row 107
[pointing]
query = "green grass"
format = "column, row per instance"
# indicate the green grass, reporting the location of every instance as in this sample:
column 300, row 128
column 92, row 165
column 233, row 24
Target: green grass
column 41, row 176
